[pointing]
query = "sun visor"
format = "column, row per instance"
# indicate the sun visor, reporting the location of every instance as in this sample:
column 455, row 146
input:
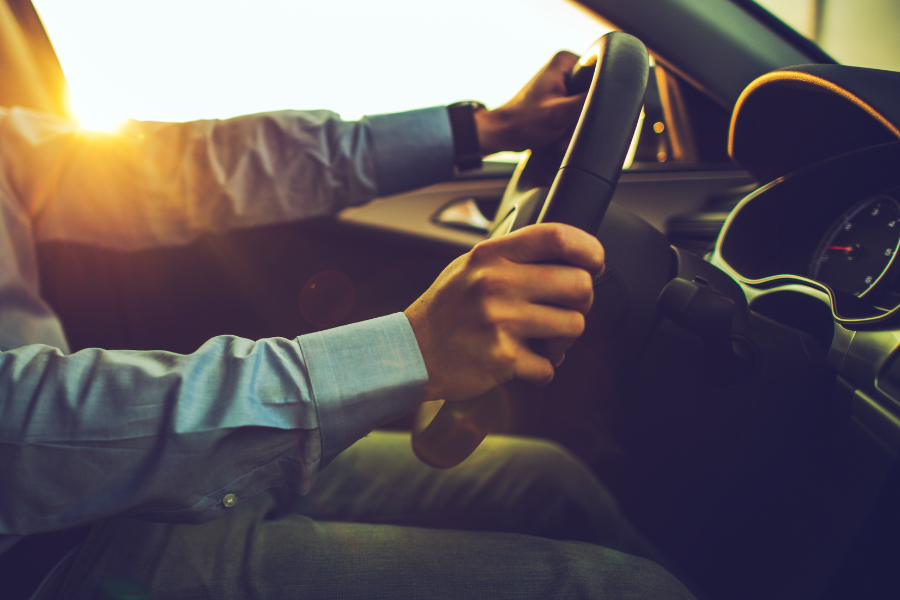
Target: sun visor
column 800, row 115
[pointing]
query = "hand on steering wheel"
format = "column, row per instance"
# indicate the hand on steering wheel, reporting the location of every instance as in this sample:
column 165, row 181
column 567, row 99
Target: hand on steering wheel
column 579, row 196
column 542, row 113
column 474, row 324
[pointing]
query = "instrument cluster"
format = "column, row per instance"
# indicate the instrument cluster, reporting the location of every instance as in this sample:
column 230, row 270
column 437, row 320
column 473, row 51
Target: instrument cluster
column 858, row 251
column 832, row 228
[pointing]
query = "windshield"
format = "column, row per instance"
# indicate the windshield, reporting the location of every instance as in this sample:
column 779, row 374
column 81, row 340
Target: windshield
column 178, row 60
column 862, row 33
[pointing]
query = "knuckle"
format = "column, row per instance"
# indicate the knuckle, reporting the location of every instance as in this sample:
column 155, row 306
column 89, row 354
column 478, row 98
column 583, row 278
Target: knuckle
column 506, row 358
column 585, row 283
column 601, row 255
column 556, row 237
column 486, row 283
column 503, row 359
column 563, row 57
column 492, row 317
column 482, row 252
column 495, row 322
column 578, row 324
column 545, row 374
column 584, row 290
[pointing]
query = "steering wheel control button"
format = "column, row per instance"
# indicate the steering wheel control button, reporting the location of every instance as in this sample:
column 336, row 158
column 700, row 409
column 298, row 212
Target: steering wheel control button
column 229, row 500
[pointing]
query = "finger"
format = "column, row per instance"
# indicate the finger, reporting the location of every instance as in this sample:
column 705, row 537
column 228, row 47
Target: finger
column 552, row 242
column 551, row 79
column 562, row 144
column 553, row 349
column 567, row 108
column 565, row 111
column 563, row 61
column 533, row 368
column 537, row 321
column 571, row 105
column 558, row 361
column 561, row 285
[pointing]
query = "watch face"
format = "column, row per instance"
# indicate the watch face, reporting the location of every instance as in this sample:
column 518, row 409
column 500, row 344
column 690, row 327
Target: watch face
column 466, row 148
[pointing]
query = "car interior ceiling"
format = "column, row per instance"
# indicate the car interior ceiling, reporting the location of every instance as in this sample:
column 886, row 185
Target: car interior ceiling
column 29, row 69
column 754, row 481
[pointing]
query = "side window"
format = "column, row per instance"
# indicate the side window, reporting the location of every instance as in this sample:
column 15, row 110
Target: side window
column 861, row 33
column 682, row 128
column 175, row 60
column 178, row 60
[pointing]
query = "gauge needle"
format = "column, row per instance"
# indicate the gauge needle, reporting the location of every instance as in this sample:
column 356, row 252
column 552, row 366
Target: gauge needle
column 844, row 248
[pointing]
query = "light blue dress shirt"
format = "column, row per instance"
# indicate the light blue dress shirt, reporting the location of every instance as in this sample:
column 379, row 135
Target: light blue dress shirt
column 164, row 436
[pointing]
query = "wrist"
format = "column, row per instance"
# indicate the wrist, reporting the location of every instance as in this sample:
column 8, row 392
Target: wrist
column 491, row 125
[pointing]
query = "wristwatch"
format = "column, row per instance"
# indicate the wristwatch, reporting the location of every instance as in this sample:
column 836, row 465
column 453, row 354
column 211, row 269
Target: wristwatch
column 466, row 149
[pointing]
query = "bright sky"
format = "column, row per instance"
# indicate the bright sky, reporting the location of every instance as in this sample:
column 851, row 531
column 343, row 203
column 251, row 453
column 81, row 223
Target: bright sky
column 862, row 33
column 177, row 60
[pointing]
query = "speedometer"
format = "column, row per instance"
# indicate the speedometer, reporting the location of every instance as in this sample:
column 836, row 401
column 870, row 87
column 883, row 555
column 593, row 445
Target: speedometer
column 859, row 247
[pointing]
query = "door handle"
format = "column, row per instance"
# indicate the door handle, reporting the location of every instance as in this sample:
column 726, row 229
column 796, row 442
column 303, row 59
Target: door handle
column 462, row 213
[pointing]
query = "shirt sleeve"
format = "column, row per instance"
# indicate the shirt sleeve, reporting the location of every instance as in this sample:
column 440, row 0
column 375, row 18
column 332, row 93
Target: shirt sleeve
column 168, row 437
column 154, row 183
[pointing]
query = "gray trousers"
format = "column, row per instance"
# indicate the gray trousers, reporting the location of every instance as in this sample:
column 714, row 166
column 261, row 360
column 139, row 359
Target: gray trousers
column 520, row 518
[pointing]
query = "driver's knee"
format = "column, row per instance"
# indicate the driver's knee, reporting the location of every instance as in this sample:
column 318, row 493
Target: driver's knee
column 543, row 465
column 561, row 495
column 625, row 576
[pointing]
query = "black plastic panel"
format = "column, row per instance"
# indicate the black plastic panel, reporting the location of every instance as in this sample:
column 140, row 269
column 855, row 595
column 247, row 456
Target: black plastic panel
column 773, row 234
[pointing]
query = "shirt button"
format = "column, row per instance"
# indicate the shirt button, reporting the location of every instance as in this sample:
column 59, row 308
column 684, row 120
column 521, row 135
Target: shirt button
column 229, row 500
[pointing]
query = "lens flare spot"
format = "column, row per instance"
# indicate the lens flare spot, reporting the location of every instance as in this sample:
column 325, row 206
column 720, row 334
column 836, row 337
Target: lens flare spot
column 327, row 299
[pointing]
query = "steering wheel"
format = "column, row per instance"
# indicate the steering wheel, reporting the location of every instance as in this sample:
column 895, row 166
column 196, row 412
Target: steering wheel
column 616, row 67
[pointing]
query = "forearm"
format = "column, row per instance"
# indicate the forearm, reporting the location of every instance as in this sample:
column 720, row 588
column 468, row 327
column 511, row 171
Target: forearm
column 99, row 433
column 168, row 437
column 164, row 183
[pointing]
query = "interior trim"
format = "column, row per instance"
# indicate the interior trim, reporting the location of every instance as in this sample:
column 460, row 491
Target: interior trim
column 715, row 44
column 813, row 82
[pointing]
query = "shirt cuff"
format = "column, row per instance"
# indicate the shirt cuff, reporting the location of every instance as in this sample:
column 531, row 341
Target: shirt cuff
column 362, row 375
column 412, row 149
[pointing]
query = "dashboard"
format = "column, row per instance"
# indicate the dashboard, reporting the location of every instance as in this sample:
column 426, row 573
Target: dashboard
column 815, row 248
column 830, row 230
column 784, row 345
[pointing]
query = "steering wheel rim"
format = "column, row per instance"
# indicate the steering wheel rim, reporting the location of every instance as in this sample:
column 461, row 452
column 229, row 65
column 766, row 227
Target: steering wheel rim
column 617, row 67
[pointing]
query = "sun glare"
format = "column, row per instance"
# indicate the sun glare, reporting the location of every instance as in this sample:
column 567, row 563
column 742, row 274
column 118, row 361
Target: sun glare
column 93, row 116
column 178, row 60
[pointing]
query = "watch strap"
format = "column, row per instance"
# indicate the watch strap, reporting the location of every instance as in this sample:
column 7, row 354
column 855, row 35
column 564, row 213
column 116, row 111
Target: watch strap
column 466, row 148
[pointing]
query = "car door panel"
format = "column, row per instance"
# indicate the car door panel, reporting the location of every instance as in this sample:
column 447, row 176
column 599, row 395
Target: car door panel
column 654, row 196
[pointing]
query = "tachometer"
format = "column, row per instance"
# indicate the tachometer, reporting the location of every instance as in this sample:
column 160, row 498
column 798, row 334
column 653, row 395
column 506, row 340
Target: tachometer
column 859, row 247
